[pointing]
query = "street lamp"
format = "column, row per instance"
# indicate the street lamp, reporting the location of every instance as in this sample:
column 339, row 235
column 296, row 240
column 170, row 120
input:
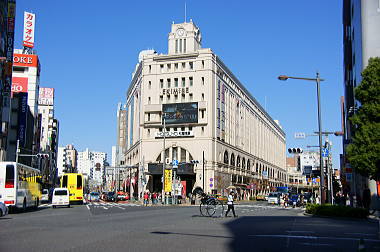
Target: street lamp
column 317, row 80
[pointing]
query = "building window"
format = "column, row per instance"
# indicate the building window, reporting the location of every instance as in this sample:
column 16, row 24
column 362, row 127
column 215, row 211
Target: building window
column 161, row 99
column 175, row 128
column 148, row 132
column 169, row 66
column 191, row 81
column 191, row 65
column 203, row 80
column 162, row 68
column 160, row 129
column 168, row 83
column 232, row 161
column 203, row 64
column 176, row 46
column 150, row 85
column 183, row 65
column 190, row 97
column 149, row 100
column 150, row 68
column 182, row 128
column 148, row 117
column 180, row 45
column 183, row 82
column 162, row 83
column 190, row 128
column 176, row 67
column 203, row 130
column 183, row 155
column 202, row 114
column 175, row 82
column 203, row 96
column 184, row 45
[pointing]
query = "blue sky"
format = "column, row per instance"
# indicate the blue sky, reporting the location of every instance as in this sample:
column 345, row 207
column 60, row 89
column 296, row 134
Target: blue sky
column 88, row 51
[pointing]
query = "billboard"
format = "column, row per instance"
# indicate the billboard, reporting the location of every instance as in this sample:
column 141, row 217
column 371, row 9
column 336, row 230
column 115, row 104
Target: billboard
column 26, row 60
column 29, row 24
column 19, row 85
column 46, row 96
column 179, row 113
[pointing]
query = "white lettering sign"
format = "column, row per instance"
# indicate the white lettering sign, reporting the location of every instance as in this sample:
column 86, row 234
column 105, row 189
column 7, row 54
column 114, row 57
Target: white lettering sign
column 175, row 134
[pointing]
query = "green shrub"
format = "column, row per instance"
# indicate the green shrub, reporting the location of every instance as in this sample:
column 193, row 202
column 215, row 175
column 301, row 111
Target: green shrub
column 336, row 211
column 252, row 198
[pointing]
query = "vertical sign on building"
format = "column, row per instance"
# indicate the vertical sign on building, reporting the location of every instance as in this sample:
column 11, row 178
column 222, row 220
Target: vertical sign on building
column 223, row 113
column 22, row 117
column 29, row 24
column 218, row 110
column 9, row 48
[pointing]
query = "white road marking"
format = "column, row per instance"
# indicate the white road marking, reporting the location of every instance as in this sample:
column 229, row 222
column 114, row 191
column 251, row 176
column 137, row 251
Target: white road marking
column 88, row 207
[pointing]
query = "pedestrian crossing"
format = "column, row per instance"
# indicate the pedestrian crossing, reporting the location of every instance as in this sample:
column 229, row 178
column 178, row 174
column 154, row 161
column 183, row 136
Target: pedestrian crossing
column 108, row 205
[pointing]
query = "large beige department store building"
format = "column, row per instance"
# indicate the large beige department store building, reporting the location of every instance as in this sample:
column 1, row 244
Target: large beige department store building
column 208, row 112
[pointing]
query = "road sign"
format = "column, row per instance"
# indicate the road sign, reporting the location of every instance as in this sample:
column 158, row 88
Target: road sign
column 175, row 163
column 299, row 135
column 325, row 152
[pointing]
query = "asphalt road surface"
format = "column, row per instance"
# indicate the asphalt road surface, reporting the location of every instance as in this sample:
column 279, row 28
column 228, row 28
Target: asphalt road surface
column 130, row 227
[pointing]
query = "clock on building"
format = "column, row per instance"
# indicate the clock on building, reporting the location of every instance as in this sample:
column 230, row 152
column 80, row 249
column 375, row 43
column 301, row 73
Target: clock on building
column 180, row 32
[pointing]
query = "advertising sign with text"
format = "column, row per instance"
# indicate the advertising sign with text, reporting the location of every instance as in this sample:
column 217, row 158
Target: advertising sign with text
column 179, row 113
column 168, row 180
column 29, row 24
column 22, row 117
column 19, row 85
column 26, row 60
column 46, row 96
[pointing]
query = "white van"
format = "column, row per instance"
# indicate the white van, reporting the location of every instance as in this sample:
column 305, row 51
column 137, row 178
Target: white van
column 45, row 196
column 61, row 197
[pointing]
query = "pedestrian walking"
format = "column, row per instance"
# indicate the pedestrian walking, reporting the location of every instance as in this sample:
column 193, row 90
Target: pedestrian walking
column 146, row 199
column 154, row 198
column 230, row 204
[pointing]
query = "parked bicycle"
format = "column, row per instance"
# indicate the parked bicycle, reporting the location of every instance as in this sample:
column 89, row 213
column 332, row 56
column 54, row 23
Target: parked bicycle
column 209, row 206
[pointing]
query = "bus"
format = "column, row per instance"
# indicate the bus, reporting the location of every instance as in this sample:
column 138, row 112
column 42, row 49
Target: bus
column 20, row 185
column 73, row 182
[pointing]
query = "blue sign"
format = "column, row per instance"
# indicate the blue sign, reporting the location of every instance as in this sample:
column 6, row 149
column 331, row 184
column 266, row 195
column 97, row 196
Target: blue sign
column 325, row 152
column 175, row 163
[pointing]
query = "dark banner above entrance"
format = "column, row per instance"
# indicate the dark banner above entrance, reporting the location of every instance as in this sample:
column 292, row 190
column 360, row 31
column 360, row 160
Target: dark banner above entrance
column 179, row 113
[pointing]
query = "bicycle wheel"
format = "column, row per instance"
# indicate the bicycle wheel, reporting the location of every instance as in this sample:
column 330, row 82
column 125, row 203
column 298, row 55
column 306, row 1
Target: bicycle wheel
column 215, row 208
column 203, row 209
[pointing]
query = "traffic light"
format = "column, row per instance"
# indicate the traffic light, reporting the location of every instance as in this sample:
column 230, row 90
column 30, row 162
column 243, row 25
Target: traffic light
column 295, row 150
column 42, row 155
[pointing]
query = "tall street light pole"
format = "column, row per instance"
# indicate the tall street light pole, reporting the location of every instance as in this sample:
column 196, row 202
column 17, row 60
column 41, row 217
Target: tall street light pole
column 318, row 81
column 163, row 163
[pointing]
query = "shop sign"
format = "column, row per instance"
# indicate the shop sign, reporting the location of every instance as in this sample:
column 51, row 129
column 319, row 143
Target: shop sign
column 29, row 24
column 175, row 134
column 26, row 60
column 175, row 91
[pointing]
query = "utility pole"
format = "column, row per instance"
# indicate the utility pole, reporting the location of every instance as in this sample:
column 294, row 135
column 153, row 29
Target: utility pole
column 163, row 162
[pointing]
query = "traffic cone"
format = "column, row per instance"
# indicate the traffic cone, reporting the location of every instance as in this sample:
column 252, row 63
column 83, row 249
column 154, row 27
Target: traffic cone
column 361, row 245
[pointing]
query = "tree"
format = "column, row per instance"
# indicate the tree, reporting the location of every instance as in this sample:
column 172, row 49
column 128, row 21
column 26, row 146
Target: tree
column 364, row 151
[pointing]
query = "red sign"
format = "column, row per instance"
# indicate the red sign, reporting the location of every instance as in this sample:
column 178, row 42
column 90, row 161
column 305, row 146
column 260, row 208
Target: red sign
column 46, row 97
column 29, row 24
column 19, row 85
column 27, row 60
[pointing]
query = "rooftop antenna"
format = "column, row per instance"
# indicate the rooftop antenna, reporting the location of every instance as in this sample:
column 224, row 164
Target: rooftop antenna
column 185, row 12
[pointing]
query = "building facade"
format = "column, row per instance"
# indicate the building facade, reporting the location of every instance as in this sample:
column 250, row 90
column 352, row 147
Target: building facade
column 92, row 165
column 361, row 22
column 7, row 25
column 219, row 134
column 121, row 117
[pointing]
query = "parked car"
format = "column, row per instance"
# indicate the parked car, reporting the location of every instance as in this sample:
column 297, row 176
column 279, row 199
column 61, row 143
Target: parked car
column 274, row 198
column 94, row 196
column 3, row 209
column 61, row 197
column 111, row 196
column 45, row 196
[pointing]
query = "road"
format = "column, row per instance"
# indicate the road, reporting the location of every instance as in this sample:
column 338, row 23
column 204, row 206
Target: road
column 131, row 227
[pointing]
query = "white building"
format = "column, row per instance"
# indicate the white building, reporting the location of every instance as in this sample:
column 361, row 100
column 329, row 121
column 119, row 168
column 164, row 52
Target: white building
column 91, row 164
column 215, row 128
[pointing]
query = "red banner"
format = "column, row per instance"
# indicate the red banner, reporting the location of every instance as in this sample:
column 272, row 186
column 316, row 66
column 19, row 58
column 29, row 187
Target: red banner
column 19, row 84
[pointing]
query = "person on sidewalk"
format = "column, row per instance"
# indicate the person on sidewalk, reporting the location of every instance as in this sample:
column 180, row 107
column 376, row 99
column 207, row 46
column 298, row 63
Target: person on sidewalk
column 230, row 204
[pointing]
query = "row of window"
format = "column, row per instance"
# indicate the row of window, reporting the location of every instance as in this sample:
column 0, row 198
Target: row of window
column 241, row 163
column 181, row 66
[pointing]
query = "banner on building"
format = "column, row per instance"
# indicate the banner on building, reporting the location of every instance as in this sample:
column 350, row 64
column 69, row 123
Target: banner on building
column 179, row 113
column 29, row 24
column 19, row 85
column 46, row 96
column 22, row 118
column 168, row 180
